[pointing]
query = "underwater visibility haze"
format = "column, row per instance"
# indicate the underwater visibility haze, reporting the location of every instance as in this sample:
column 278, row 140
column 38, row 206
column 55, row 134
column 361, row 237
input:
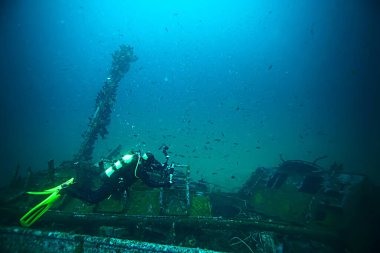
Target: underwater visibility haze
column 263, row 116
column 229, row 85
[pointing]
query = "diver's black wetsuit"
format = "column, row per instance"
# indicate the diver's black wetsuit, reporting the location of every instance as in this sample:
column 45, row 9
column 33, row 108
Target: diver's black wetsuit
column 121, row 179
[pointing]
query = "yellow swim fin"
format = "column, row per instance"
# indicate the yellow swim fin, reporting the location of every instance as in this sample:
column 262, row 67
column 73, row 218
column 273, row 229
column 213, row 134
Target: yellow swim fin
column 36, row 212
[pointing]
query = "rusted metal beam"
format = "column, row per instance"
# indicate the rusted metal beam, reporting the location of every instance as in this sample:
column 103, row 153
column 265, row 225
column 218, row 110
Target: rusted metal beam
column 15, row 239
column 120, row 220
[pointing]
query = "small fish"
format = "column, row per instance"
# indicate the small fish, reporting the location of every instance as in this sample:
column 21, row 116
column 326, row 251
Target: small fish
column 233, row 177
column 270, row 67
column 217, row 139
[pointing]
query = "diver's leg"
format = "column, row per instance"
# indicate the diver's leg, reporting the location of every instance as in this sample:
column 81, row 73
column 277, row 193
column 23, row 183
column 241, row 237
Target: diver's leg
column 88, row 195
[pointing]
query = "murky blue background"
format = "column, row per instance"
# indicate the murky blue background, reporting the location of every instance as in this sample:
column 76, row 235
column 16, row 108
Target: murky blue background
column 229, row 85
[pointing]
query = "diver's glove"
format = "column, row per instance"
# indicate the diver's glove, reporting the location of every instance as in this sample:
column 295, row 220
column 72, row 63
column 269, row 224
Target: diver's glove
column 170, row 182
column 170, row 170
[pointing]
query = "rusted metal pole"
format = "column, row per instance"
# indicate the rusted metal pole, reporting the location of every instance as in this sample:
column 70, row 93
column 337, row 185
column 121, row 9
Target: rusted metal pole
column 105, row 100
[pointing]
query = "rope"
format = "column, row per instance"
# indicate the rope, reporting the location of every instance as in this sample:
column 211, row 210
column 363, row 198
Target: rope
column 137, row 165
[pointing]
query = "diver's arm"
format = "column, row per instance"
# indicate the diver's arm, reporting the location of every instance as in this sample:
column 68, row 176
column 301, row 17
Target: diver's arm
column 153, row 183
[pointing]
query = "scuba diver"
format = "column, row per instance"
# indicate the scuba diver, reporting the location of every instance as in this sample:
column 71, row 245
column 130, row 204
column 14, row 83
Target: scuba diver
column 116, row 178
column 122, row 174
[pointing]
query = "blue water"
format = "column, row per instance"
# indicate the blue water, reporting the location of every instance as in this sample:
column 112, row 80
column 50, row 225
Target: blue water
column 228, row 85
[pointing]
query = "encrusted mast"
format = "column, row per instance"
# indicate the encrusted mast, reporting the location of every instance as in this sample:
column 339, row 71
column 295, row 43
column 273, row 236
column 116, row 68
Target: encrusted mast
column 105, row 100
